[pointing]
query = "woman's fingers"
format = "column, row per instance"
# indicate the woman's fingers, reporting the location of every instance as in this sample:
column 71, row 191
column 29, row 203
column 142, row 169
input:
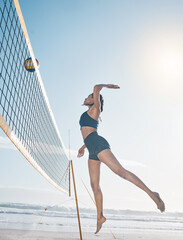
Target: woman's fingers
column 113, row 86
column 80, row 153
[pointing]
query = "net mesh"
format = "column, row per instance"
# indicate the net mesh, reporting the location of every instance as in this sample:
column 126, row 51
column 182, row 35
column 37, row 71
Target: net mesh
column 22, row 102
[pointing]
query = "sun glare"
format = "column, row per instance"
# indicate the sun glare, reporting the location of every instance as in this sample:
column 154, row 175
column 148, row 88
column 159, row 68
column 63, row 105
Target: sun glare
column 161, row 63
column 171, row 65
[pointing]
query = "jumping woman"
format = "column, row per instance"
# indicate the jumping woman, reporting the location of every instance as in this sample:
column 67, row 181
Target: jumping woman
column 99, row 151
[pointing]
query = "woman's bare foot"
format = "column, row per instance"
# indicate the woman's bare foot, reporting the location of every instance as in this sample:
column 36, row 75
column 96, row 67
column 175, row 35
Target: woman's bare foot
column 159, row 202
column 99, row 223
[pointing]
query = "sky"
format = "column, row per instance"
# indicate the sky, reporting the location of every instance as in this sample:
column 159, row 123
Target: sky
column 135, row 44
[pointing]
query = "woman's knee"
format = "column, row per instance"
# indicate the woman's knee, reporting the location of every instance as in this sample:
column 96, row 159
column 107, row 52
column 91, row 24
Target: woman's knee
column 95, row 187
column 122, row 172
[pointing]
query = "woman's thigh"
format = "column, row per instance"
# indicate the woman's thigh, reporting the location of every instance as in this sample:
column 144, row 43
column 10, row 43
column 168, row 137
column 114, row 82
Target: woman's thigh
column 107, row 157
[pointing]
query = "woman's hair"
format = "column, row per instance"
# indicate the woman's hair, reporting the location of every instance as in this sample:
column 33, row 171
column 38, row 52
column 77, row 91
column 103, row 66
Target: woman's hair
column 101, row 102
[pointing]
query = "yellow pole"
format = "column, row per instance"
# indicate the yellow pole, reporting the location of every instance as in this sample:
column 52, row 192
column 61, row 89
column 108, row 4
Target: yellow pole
column 76, row 200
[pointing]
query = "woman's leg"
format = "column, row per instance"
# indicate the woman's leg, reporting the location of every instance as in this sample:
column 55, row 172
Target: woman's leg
column 94, row 171
column 107, row 157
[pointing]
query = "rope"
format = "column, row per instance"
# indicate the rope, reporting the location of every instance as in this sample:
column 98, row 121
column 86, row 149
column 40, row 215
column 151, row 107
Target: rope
column 88, row 192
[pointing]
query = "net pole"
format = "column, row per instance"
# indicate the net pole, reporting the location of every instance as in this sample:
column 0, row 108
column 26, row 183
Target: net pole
column 76, row 199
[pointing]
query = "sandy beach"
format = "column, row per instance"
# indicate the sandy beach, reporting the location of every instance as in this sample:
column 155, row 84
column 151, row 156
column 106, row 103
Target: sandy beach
column 39, row 235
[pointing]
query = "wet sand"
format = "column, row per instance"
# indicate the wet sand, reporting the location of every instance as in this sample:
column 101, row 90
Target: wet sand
column 6, row 234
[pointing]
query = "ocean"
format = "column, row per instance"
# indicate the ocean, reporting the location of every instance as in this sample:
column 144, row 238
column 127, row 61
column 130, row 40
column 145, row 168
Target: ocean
column 61, row 219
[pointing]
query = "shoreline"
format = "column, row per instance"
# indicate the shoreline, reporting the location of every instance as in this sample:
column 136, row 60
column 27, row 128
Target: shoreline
column 11, row 234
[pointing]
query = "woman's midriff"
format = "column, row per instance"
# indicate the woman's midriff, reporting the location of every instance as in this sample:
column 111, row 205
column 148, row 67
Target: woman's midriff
column 86, row 131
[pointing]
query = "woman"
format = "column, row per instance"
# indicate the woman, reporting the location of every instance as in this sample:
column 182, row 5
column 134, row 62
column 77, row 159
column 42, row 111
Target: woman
column 99, row 151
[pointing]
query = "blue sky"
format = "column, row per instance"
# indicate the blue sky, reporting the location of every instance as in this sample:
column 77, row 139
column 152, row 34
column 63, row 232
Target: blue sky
column 136, row 44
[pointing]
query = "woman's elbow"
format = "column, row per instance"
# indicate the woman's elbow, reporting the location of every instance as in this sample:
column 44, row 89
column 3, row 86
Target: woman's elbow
column 96, row 88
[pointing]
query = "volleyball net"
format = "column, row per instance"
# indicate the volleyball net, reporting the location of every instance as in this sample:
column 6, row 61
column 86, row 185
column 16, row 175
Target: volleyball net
column 25, row 113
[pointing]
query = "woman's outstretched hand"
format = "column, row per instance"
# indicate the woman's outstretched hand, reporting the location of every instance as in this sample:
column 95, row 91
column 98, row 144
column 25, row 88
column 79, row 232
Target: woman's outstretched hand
column 112, row 86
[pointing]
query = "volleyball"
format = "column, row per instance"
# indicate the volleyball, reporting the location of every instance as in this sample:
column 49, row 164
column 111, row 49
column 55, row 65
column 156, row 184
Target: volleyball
column 29, row 66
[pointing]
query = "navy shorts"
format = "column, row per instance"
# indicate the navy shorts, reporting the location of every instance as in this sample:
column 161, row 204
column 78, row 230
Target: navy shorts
column 95, row 144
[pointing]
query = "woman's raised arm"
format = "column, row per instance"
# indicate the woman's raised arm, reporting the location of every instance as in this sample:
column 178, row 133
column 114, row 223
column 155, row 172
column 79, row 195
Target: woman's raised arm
column 96, row 92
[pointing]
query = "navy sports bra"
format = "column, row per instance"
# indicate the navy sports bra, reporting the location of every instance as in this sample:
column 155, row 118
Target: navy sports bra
column 87, row 121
